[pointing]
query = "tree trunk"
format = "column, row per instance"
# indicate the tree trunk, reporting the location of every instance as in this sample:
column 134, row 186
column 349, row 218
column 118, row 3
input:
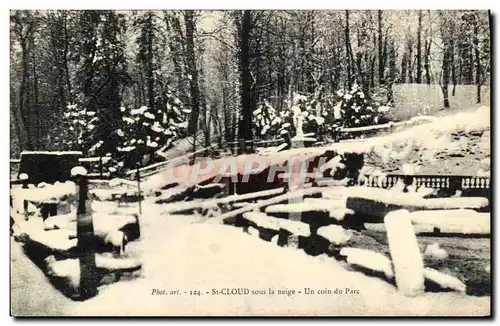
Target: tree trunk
column 446, row 73
column 347, row 49
column 193, row 72
column 404, row 66
column 428, row 53
column 23, row 103
column 453, row 68
column 392, row 72
column 149, row 62
column 69, row 91
column 427, row 64
column 36, row 106
column 245, row 27
column 418, row 80
column 380, row 50
column 470, row 72
column 478, row 61
column 410, row 62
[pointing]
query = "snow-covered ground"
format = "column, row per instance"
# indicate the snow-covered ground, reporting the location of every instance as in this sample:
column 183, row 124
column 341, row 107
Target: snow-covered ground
column 181, row 252
column 462, row 140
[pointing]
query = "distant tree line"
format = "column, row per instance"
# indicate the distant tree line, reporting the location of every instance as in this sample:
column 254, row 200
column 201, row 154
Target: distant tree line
column 214, row 69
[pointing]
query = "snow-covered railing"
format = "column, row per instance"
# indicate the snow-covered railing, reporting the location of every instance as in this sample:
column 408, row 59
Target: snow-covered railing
column 151, row 169
column 82, row 160
column 241, row 145
column 367, row 128
column 389, row 125
column 455, row 182
column 103, row 159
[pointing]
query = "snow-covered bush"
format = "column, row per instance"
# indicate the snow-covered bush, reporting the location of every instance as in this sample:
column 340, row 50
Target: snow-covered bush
column 80, row 124
column 145, row 130
column 357, row 110
column 266, row 121
column 304, row 115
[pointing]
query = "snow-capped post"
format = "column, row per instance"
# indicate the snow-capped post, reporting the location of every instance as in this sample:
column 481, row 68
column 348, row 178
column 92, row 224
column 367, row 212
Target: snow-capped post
column 24, row 177
column 85, row 233
column 405, row 254
column 138, row 176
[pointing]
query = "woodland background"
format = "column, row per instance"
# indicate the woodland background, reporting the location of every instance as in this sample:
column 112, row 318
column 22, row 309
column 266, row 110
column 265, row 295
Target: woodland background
column 120, row 82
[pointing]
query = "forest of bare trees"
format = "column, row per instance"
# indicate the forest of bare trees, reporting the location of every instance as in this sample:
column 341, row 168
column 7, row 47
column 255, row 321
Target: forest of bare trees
column 77, row 76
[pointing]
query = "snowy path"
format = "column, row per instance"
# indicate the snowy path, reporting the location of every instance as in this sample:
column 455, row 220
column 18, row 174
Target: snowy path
column 31, row 293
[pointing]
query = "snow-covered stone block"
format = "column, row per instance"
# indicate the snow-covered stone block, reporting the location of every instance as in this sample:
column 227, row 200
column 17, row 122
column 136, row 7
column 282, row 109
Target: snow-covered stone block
column 296, row 227
column 62, row 221
column 108, row 262
column 463, row 221
column 312, row 211
column 456, row 203
column 405, row 254
column 368, row 259
column 444, row 281
column 58, row 240
column 262, row 220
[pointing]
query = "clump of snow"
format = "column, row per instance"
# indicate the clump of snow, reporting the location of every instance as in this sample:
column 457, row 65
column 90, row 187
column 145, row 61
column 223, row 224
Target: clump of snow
column 105, row 224
column 117, row 239
column 335, row 234
column 78, row 170
column 333, row 164
column 410, row 169
column 61, row 221
column 253, row 231
column 68, row 269
column 434, row 251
